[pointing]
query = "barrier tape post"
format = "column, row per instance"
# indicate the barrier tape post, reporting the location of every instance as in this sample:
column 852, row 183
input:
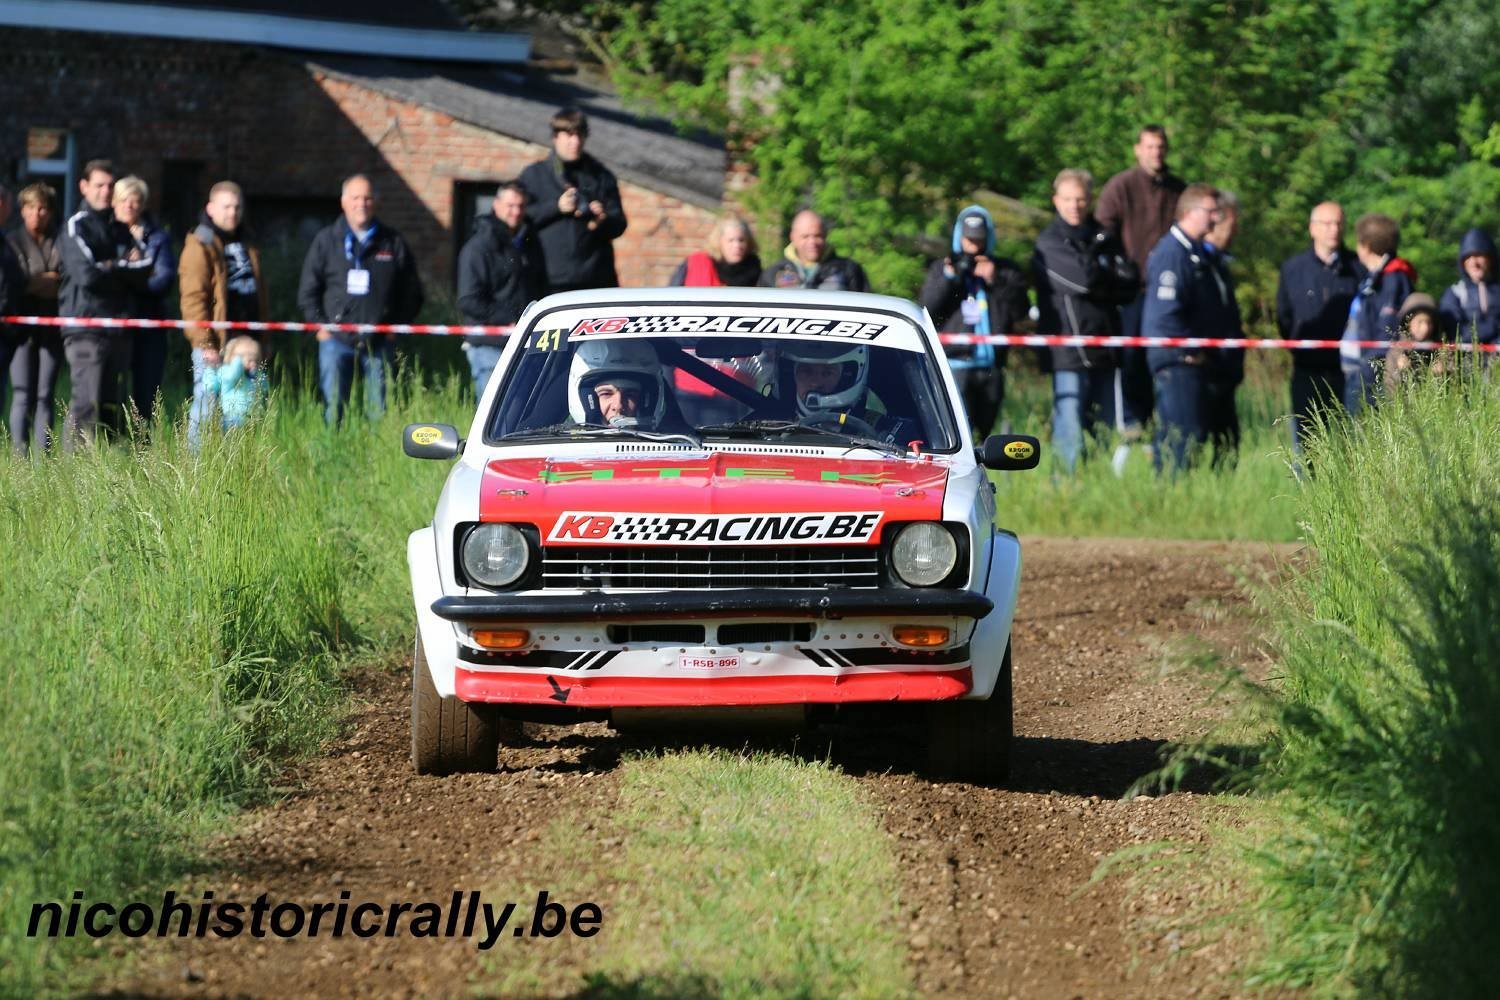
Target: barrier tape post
column 998, row 340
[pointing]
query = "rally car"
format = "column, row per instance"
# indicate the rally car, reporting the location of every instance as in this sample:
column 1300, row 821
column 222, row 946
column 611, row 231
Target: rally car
column 684, row 500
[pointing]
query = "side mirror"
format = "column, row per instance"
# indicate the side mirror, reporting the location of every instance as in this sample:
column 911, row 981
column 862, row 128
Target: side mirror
column 431, row 441
column 1009, row 452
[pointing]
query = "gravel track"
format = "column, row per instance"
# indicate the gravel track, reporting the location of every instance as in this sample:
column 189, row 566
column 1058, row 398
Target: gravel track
column 994, row 887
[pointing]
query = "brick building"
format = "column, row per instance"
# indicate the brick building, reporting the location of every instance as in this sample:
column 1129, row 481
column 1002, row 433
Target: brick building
column 184, row 94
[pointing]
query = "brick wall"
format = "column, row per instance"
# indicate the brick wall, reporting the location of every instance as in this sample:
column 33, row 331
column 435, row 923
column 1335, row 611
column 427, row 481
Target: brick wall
column 284, row 132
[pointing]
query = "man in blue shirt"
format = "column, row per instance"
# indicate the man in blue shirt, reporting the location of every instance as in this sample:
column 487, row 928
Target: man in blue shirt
column 1186, row 296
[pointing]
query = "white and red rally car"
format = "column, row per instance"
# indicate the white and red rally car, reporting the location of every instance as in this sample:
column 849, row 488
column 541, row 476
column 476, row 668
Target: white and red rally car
column 682, row 499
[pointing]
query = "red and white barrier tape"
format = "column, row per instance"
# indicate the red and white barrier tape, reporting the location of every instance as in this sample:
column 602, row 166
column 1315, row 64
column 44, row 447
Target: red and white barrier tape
column 999, row 340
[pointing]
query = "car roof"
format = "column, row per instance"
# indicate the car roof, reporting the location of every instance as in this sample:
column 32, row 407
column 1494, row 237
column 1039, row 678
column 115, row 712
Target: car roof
column 783, row 298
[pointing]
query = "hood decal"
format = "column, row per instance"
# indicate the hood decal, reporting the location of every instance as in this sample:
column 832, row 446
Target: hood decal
column 721, row 498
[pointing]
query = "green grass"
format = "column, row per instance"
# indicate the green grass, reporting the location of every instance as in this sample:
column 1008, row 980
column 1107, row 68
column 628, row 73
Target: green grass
column 1251, row 499
column 175, row 626
column 1371, row 859
column 737, row 875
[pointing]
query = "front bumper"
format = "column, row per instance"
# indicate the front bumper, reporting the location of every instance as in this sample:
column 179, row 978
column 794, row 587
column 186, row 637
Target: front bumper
column 659, row 605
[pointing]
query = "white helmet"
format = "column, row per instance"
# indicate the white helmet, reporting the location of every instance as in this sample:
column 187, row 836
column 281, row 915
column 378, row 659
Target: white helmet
column 628, row 364
column 848, row 393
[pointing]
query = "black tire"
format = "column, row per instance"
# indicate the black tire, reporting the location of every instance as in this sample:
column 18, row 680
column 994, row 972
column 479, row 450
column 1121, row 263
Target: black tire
column 970, row 740
column 448, row 736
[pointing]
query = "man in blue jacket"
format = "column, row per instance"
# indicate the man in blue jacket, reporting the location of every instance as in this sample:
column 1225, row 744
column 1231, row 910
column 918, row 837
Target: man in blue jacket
column 358, row 270
column 1186, row 296
column 1470, row 309
column 1312, row 303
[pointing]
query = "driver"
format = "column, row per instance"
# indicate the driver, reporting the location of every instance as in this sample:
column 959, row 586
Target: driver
column 616, row 383
column 830, row 383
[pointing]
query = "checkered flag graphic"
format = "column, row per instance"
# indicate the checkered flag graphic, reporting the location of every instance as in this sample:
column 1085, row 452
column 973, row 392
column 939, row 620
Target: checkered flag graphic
column 652, row 324
column 637, row 529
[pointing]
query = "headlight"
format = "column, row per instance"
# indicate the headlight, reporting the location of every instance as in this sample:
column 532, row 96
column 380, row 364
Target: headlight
column 495, row 555
column 924, row 554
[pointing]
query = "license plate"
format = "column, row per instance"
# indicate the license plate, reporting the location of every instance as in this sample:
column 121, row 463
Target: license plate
column 727, row 662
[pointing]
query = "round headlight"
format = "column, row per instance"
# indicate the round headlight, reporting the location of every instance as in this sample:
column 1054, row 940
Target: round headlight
column 495, row 555
column 924, row 554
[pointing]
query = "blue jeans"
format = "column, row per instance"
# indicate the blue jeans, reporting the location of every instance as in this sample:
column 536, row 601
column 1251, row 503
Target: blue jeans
column 336, row 373
column 482, row 361
column 1361, row 388
column 1080, row 400
column 203, row 405
column 1179, row 417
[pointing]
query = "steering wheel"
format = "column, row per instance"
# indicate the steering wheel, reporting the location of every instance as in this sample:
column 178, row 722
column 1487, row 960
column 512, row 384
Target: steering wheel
column 841, row 421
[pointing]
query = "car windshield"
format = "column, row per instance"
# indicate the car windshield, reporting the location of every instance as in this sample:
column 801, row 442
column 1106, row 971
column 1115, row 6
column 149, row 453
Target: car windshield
column 814, row 390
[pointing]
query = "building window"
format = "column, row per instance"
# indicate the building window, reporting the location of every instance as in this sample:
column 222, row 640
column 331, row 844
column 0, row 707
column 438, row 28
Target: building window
column 51, row 156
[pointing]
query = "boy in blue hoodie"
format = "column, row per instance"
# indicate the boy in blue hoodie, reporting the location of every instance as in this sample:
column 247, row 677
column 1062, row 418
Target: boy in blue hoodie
column 1375, row 313
column 1470, row 308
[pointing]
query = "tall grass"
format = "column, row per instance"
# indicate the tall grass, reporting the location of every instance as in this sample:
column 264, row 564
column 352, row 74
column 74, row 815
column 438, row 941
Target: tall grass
column 1374, row 867
column 174, row 625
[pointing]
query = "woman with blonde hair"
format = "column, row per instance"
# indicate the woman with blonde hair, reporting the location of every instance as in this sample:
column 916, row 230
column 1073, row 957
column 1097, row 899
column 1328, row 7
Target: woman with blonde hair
column 730, row 258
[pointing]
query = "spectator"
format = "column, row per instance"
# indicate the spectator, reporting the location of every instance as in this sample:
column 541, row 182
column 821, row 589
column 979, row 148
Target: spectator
column 731, row 258
column 239, row 383
column 148, row 355
column 576, row 209
column 12, row 287
column 1375, row 312
column 357, row 270
column 973, row 291
column 1083, row 277
column 1420, row 323
column 500, row 270
column 1186, row 297
column 1139, row 205
column 220, row 281
column 809, row 262
column 39, row 353
column 1470, row 309
column 1223, row 367
column 1313, row 297
column 103, row 269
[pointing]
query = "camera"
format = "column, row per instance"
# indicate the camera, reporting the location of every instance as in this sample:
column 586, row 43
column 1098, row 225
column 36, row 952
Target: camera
column 963, row 264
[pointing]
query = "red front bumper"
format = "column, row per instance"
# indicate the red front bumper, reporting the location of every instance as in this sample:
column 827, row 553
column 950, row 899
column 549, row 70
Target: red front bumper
column 681, row 692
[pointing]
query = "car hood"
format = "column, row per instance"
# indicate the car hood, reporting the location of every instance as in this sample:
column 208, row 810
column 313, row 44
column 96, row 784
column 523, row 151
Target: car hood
column 715, row 498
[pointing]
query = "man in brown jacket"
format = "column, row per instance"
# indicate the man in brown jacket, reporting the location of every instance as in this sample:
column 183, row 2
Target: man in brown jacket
column 220, row 279
column 1140, row 205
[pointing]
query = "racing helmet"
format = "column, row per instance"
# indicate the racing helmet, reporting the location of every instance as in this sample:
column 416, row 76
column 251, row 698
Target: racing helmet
column 630, row 365
column 848, row 392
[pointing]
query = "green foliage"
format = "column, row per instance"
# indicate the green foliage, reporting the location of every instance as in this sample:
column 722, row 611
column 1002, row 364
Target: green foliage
column 886, row 116
column 174, row 627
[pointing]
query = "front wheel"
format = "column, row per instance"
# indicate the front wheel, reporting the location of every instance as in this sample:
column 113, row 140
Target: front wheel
column 448, row 736
column 970, row 740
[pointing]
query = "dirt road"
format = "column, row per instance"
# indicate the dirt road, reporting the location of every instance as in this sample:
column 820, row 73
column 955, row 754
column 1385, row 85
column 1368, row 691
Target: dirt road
column 993, row 894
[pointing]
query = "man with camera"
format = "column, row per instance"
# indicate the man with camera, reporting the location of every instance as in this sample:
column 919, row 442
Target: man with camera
column 1083, row 277
column 973, row 291
column 575, row 209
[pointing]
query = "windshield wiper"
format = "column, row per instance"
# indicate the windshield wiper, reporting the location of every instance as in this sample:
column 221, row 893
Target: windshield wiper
column 574, row 431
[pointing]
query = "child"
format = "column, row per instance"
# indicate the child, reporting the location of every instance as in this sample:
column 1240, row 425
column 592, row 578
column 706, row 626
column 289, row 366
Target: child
column 1419, row 323
column 239, row 382
column 1470, row 309
column 1374, row 314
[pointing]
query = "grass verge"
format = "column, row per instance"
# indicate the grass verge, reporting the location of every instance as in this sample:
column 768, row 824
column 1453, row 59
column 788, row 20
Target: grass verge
column 729, row 875
column 175, row 625
column 1370, row 859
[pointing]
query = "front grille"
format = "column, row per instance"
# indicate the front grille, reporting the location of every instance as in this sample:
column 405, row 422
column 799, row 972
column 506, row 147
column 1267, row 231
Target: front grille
column 657, row 633
column 810, row 567
column 754, row 632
